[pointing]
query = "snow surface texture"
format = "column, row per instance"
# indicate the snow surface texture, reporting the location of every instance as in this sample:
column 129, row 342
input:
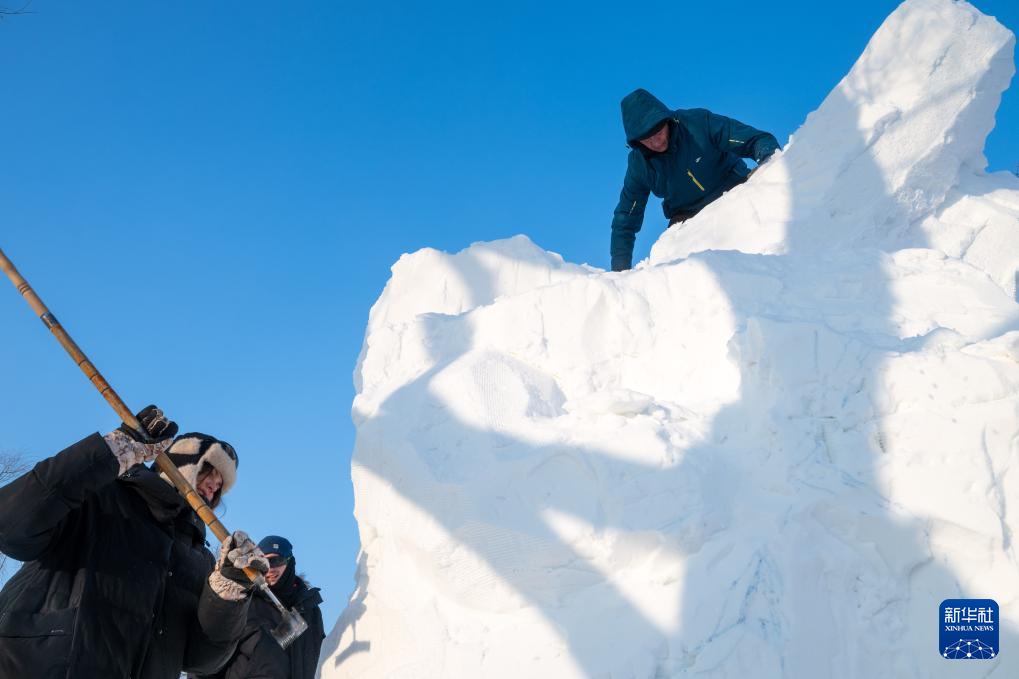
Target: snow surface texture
column 772, row 450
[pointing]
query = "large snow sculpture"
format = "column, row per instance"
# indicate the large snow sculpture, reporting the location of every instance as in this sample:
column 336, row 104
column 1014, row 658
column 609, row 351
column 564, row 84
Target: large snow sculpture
column 770, row 451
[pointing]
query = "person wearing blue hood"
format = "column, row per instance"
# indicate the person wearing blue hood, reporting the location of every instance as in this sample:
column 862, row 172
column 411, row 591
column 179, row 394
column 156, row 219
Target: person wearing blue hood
column 686, row 157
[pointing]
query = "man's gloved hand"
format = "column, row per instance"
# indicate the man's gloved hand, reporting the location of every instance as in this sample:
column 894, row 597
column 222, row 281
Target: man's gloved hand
column 237, row 552
column 771, row 156
column 129, row 446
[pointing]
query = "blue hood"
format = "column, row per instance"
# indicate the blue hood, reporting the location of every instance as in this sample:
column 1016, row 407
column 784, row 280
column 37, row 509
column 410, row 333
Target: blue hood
column 642, row 112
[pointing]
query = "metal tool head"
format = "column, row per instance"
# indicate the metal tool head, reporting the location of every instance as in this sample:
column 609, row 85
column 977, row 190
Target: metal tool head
column 291, row 626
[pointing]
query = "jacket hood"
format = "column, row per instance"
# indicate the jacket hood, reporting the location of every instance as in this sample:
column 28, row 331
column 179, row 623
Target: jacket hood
column 307, row 593
column 292, row 589
column 164, row 502
column 642, row 112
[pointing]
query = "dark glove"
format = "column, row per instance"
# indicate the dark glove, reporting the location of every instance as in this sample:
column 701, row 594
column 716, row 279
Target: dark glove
column 128, row 445
column 228, row 580
column 771, row 154
column 156, row 425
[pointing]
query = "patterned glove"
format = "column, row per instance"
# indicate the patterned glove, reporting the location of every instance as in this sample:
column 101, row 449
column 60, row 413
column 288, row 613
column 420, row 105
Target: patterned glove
column 237, row 552
column 128, row 445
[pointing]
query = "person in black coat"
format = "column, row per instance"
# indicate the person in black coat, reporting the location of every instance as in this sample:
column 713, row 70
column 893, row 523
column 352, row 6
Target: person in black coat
column 117, row 580
column 258, row 655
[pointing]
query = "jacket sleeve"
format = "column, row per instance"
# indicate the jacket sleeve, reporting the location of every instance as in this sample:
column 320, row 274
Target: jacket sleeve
column 745, row 141
column 237, row 664
column 268, row 661
column 213, row 639
column 37, row 506
column 628, row 216
column 317, row 634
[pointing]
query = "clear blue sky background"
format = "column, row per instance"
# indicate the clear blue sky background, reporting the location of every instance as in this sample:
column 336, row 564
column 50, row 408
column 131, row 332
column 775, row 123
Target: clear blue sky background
column 209, row 194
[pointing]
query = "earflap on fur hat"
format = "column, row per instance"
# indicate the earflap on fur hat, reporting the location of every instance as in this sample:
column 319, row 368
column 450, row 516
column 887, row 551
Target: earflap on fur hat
column 190, row 452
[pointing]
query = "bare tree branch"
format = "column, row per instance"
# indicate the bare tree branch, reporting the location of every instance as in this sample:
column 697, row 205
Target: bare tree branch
column 7, row 11
column 11, row 466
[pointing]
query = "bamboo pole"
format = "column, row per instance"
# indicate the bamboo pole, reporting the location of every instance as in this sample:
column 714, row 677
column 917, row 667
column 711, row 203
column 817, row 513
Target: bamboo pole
column 292, row 625
column 163, row 461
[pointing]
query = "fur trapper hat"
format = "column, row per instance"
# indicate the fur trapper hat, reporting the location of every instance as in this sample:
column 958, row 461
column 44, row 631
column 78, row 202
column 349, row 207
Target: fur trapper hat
column 191, row 451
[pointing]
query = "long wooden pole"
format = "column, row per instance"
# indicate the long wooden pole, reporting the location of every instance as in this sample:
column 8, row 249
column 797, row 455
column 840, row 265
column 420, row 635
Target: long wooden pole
column 78, row 356
column 293, row 624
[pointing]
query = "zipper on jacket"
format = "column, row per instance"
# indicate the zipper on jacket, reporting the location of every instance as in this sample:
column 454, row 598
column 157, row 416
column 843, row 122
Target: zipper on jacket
column 633, row 207
column 695, row 180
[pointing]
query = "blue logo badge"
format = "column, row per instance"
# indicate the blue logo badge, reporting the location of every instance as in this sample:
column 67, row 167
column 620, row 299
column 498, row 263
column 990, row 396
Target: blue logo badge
column 969, row 629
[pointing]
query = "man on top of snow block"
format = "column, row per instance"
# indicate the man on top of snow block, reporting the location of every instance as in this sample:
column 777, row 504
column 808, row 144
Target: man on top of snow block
column 686, row 157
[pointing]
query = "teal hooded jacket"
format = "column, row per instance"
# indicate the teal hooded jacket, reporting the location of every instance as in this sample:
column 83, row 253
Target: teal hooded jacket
column 703, row 161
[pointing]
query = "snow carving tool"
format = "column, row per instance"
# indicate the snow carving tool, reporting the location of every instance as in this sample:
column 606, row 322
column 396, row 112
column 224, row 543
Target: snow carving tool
column 292, row 625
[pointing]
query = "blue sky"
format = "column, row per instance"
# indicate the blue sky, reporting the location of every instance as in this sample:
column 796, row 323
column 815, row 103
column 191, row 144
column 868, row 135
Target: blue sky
column 210, row 195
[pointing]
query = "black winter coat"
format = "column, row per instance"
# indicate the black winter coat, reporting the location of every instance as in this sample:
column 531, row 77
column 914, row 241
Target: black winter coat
column 259, row 656
column 115, row 583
